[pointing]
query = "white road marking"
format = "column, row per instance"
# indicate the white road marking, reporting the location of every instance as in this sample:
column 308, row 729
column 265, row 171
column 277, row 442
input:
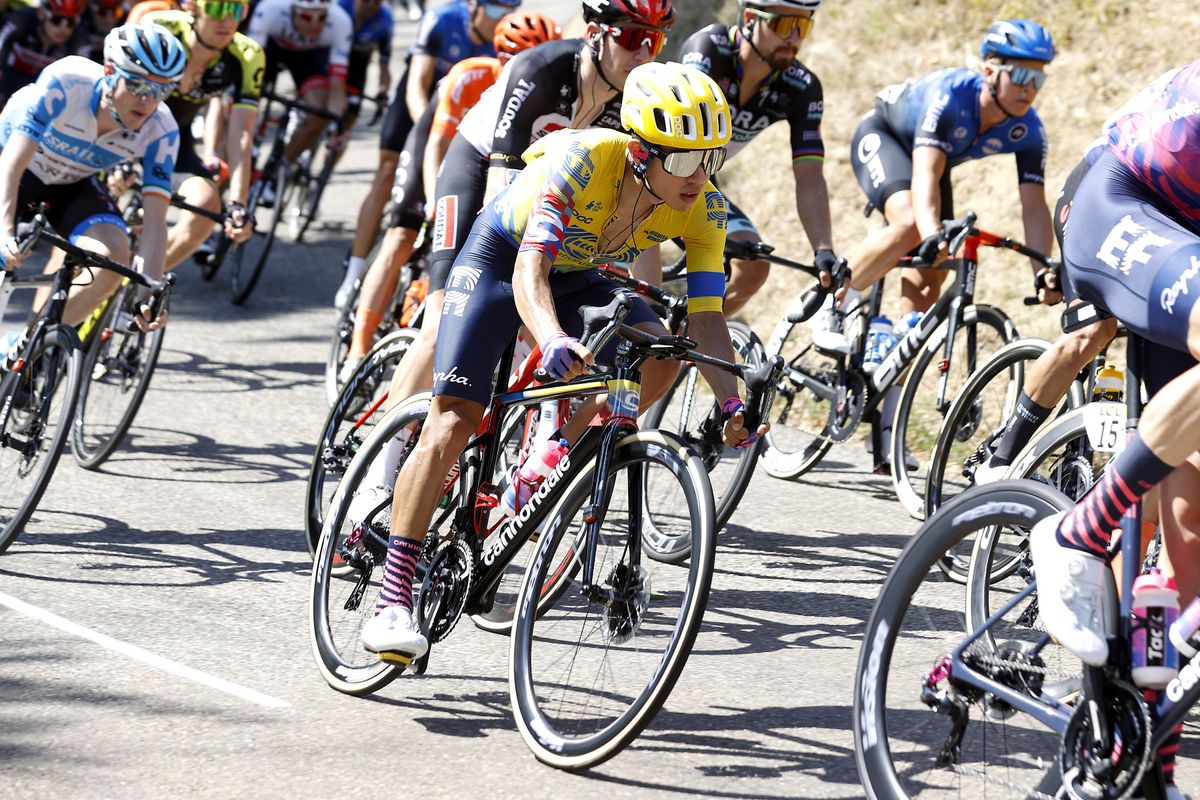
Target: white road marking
column 137, row 653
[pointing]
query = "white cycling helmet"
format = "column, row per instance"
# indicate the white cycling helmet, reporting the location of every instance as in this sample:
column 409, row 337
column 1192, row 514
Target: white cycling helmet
column 146, row 49
column 311, row 4
column 798, row 5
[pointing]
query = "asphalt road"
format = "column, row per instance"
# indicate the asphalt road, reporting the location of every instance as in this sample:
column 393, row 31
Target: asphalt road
column 153, row 616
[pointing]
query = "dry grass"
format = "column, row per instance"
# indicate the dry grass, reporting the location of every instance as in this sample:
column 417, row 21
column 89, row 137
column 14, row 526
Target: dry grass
column 1108, row 50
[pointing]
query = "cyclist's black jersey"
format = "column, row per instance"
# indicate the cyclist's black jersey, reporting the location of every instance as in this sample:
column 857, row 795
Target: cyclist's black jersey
column 239, row 66
column 537, row 93
column 23, row 54
column 793, row 94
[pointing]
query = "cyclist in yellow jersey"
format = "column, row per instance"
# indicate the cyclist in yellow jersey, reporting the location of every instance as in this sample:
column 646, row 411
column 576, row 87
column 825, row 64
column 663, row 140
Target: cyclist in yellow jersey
column 587, row 197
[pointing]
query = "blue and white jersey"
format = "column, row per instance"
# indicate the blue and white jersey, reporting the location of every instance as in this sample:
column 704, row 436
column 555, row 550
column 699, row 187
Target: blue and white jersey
column 59, row 113
column 941, row 110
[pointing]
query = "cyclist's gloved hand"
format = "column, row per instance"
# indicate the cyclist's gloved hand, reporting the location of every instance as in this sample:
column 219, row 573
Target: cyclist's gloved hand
column 1048, row 286
column 565, row 357
column 239, row 224
column 825, row 262
column 120, row 179
column 10, row 254
column 927, row 251
column 733, row 415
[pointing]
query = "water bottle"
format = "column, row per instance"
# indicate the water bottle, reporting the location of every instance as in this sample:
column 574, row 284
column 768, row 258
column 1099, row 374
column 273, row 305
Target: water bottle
column 879, row 342
column 540, row 462
column 548, row 420
column 909, row 321
column 1110, row 386
column 10, row 348
column 1185, row 633
column 1155, row 609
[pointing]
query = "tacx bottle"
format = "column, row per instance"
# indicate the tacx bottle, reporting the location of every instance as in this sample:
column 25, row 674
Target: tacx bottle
column 1155, row 608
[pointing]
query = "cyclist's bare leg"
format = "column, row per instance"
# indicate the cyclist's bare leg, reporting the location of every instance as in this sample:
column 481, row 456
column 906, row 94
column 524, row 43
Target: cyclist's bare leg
column 415, row 371
column 349, row 120
column 371, row 213
column 920, row 289
column 745, row 277
column 1052, row 374
column 379, row 287
column 309, row 131
column 1181, row 526
column 192, row 229
column 450, row 424
column 107, row 240
column 884, row 246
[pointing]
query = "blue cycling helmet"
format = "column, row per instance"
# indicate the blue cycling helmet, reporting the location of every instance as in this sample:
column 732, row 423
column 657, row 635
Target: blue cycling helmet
column 1017, row 38
column 145, row 49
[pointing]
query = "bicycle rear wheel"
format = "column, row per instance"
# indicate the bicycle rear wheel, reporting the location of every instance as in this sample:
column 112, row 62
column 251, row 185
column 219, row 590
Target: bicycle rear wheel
column 920, row 731
column 35, row 419
column 247, row 260
column 308, row 198
column 117, row 365
column 691, row 412
column 343, row 332
column 354, row 413
column 348, row 567
column 796, row 442
column 982, row 331
column 587, row 677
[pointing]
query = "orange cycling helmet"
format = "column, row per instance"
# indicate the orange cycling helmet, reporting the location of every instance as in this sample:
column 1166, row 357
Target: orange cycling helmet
column 521, row 31
column 149, row 7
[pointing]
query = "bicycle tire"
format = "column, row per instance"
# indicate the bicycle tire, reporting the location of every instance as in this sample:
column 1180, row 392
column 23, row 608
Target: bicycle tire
column 342, row 433
column 1068, row 431
column 919, row 438
column 242, row 280
column 312, row 196
column 537, row 634
column 336, row 616
column 119, row 360
column 343, row 333
column 32, row 438
column 683, row 410
column 796, row 442
column 906, row 766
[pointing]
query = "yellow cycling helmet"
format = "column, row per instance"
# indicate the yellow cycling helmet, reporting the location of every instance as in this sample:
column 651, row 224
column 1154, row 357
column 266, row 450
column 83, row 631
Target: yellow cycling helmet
column 674, row 106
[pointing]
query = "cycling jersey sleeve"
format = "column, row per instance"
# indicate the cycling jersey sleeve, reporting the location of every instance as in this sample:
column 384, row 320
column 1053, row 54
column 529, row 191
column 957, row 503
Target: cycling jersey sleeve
column 704, row 238
column 43, row 107
column 566, row 176
column 528, row 92
column 261, row 28
column 934, row 124
column 387, row 27
column 9, row 34
column 428, row 36
column 253, row 61
column 340, row 29
column 804, row 115
column 158, row 161
column 459, row 91
column 1031, row 160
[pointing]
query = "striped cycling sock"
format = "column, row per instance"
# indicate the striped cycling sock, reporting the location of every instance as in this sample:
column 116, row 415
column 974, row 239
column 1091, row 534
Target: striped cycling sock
column 1090, row 525
column 403, row 555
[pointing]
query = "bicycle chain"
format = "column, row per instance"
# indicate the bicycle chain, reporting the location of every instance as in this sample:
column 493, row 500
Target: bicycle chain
column 1018, row 666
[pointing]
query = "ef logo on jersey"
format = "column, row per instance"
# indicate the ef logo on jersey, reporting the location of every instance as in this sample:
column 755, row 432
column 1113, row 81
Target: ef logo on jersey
column 1127, row 244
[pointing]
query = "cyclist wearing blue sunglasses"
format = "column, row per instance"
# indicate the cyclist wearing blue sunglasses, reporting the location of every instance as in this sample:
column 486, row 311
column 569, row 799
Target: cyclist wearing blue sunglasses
column 77, row 119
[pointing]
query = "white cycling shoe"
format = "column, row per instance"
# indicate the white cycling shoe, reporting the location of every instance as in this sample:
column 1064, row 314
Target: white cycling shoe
column 348, row 367
column 394, row 636
column 987, row 473
column 1070, row 590
column 366, row 501
column 826, row 328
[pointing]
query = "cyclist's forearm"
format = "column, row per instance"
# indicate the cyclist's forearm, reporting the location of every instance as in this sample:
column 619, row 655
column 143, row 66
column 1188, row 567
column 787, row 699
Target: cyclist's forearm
column 385, row 79
column 336, row 104
column 711, row 334
column 420, row 81
column 435, row 154
column 14, row 160
column 1035, row 214
column 152, row 246
column 239, row 149
column 531, row 291
column 928, row 165
column 812, row 204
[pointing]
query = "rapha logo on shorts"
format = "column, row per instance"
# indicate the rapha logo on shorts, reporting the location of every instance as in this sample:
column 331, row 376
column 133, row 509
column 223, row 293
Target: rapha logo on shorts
column 451, row 377
column 1170, row 295
column 1127, row 244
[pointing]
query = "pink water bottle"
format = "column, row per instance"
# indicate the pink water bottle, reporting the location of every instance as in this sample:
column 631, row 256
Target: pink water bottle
column 1155, row 608
column 540, row 463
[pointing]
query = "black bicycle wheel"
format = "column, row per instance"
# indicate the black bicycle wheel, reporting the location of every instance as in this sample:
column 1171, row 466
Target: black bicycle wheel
column 308, row 198
column 587, row 677
column 797, row 442
column 39, row 404
column 919, row 730
column 983, row 330
column 343, row 331
column 348, row 566
column 247, row 260
column 691, row 412
column 357, row 408
column 118, row 364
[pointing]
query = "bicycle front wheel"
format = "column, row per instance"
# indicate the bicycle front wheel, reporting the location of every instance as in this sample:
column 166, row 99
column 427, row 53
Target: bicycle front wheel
column 247, row 260
column 354, row 413
column 982, row 330
column 117, row 365
column 588, row 675
column 39, row 404
column 797, row 442
column 921, row 730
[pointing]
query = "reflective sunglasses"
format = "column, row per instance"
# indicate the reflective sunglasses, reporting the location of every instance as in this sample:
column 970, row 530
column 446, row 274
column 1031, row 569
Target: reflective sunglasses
column 1023, row 76
column 60, row 20
column 634, row 39
column 496, row 11
column 310, row 17
column 683, row 163
column 783, row 25
column 141, row 87
column 224, row 9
